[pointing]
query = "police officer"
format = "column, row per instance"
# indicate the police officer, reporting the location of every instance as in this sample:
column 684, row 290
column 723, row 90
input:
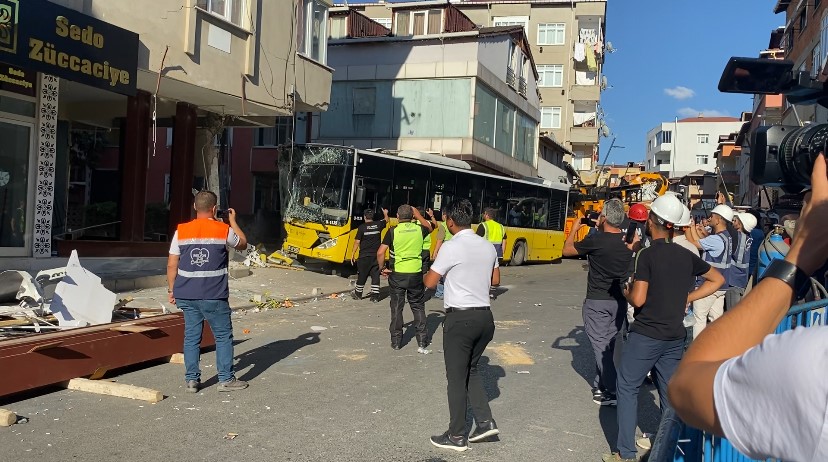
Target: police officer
column 368, row 240
column 197, row 283
column 469, row 265
column 492, row 231
column 717, row 250
column 405, row 240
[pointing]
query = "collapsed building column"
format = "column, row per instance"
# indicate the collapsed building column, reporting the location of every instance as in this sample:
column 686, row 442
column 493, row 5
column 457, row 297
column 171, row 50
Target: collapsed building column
column 134, row 162
column 183, row 159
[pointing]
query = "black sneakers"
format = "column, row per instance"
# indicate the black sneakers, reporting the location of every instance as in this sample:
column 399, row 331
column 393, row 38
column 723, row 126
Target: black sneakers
column 446, row 441
column 606, row 399
column 355, row 295
column 375, row 298
column 484, row 430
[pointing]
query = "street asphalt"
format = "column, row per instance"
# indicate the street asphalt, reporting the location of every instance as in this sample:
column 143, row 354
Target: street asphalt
column 342, row 394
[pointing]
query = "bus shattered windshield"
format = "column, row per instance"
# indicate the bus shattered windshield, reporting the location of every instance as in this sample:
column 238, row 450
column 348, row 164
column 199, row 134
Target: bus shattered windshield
column 316, row 184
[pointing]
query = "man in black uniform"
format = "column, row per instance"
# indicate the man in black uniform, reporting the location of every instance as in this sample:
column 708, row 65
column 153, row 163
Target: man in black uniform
column 368, row 239
column 406, row 279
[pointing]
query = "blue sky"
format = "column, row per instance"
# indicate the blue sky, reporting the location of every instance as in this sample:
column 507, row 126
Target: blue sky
column 669, row 60
column 670, row 55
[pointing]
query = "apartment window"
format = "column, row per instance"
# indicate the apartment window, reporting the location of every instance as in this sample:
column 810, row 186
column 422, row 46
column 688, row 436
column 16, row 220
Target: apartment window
column 551, row 34
column 312, row 39
column 512, row 21
column 276, row 135
column 550, row 117
column 701, row 159
column 550, row 75
column 703, row 138
column 816, row 60
column 338, row 27
column 384, row 21
column 419, row 22
column 230, row 10
column 803, row 19
column 824, row 36
column 664, row 137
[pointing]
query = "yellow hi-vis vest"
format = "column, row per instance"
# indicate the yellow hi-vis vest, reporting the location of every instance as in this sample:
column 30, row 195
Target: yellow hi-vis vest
column 493, row 231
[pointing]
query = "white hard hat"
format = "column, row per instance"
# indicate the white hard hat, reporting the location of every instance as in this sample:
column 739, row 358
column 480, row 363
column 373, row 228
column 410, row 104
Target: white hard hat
column 668, row 208
column 724, row 212
column 748, row 221
column 685, row 217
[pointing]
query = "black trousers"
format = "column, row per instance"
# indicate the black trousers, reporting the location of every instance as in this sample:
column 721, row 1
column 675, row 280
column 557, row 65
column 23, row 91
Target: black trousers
column 426, row 256
column 465, row 336
column 367, row 267
column 408, row 285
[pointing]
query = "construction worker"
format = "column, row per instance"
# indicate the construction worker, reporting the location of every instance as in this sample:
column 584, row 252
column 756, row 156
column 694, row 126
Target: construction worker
column 368, row 240
column 492, row 231
column 717, row 250
column 740, row 269
column 681, row 230
column 637, row 217
column 664, row 275
column 426, row 254
column 405, row 241
column 443, row 235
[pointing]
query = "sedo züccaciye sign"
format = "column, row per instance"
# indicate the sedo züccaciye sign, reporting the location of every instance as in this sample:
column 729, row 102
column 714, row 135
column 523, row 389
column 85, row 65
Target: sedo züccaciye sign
column 49, row 38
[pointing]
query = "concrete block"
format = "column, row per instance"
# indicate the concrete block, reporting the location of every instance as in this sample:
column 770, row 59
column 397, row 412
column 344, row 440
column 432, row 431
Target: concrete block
column 362, row 72
column 421, row 70
column 389, row 71
column 455, row 69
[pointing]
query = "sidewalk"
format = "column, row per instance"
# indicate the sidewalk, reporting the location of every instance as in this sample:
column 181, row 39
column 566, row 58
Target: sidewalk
column 264, row 283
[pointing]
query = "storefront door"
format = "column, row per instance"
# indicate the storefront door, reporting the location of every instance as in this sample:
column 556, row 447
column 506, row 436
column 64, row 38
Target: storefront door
column 15, row 216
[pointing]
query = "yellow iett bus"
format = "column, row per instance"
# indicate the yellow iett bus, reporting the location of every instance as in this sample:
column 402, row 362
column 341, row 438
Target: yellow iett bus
column 326, row 188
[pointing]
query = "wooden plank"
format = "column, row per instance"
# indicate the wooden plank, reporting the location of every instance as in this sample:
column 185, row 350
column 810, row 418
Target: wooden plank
column 85, row 349
column 133, row 328
column 45, row 346
column 120, row 390
column 7, row 418
column 177, row 358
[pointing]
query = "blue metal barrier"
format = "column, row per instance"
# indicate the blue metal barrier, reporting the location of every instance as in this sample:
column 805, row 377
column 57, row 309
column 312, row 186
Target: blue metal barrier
column 697, row 446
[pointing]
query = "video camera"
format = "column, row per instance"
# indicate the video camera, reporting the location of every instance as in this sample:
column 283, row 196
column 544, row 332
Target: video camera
column 780, row 155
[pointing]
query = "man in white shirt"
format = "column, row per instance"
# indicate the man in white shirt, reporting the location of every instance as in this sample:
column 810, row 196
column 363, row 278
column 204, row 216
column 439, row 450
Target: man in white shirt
column 766, row 393
column 469, row 265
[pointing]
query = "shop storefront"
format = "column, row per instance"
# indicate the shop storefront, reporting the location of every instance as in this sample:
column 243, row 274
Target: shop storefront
column 42, row 45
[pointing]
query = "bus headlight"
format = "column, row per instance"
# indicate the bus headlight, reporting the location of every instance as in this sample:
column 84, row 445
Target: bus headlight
column 327, row 244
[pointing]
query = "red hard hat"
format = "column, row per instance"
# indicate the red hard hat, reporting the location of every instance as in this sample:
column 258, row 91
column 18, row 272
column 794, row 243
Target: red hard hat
column 638, row 212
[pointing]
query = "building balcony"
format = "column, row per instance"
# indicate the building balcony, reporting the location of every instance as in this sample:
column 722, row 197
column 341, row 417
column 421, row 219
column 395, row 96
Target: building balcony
column 585, row 93
column 661, row 149
column 584, row 135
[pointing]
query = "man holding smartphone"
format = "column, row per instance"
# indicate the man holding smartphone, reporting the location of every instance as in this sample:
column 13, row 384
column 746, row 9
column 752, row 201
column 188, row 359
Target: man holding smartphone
column 610, row 264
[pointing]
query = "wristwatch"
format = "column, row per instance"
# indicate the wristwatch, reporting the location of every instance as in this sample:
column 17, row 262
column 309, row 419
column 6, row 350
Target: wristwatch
column 791, row 275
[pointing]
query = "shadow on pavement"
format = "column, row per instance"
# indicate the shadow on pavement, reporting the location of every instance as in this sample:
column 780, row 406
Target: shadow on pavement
column 577, row 343
column 649, row 415
column 267, row 355
column 433, row 322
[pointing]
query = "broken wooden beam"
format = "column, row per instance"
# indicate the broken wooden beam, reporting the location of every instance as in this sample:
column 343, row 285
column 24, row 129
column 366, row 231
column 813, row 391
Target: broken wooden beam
column 46, row 359
column 177, row 358
column 120, row 390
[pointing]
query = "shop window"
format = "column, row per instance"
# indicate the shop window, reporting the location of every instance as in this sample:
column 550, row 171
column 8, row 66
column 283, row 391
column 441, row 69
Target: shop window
column 14, row 183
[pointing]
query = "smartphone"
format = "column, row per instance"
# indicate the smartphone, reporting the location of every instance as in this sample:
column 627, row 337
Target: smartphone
column 586, row 221
column 628, row 238
column 222, row 214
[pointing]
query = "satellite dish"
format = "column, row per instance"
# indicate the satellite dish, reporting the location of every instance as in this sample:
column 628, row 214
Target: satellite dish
column 610, row 48
column 604, row 82
column 605, row 131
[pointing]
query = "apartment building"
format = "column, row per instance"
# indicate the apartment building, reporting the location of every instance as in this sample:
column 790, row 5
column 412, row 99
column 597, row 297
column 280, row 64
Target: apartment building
column 687, row 145
column 88, row 88
column 566, row 39
column 434, row 82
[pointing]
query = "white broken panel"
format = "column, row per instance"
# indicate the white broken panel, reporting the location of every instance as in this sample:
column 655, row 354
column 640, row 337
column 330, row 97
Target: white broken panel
column 80, row 299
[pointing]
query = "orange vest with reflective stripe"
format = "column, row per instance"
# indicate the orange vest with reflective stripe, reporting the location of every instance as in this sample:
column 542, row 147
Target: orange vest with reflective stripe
column 202, row 265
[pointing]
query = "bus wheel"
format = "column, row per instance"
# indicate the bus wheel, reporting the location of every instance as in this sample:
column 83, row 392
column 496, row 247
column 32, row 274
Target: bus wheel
column 518, row 254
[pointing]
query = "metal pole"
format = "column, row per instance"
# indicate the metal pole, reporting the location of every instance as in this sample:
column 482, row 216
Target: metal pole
column 673, row 154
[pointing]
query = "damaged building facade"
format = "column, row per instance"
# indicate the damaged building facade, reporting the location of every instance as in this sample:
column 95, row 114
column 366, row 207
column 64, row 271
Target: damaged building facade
column 434, row 82
column 111, row 116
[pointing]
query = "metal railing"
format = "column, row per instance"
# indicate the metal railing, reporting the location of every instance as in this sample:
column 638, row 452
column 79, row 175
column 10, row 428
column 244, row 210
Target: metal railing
column 697, row 446
column 510, row 77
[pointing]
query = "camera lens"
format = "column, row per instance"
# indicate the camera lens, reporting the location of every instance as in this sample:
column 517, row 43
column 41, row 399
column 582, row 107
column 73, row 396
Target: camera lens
column 799, row 150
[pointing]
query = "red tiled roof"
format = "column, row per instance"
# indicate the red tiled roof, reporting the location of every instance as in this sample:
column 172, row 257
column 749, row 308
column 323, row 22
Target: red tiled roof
column 710, row 119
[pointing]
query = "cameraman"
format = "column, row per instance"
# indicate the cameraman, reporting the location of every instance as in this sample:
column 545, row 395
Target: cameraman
column 610, row 261
column 770, row 401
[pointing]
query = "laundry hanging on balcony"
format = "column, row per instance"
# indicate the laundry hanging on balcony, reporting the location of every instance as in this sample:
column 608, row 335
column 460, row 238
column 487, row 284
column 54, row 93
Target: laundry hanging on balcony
column 580, row 52
column 592, row 62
